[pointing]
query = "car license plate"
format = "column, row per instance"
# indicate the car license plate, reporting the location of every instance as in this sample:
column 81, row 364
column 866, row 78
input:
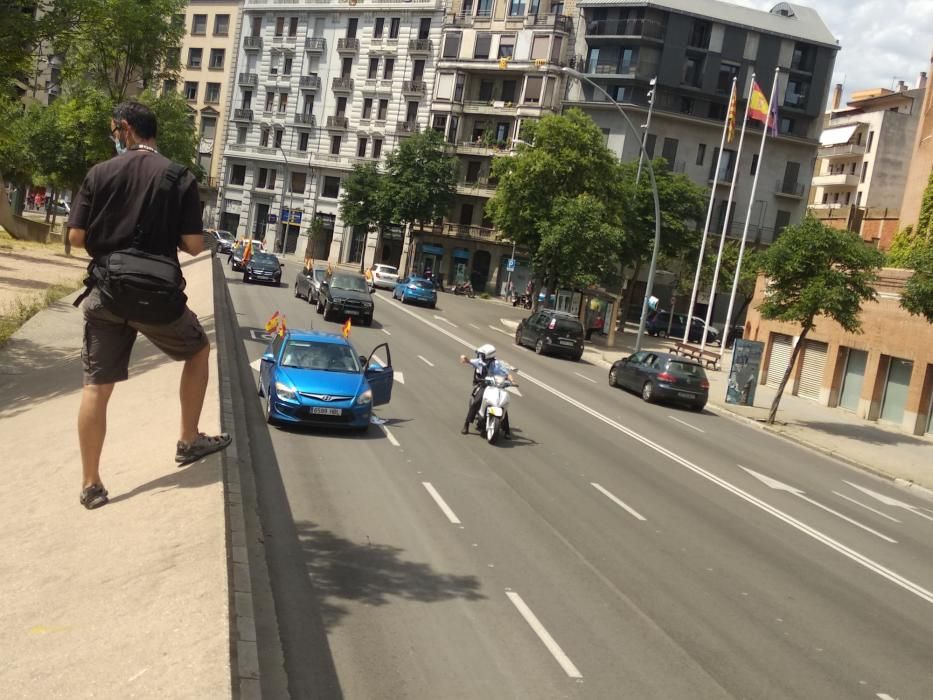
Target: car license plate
column 567, row 342
column 684, row 395
column 322, row 411
column 352, row 312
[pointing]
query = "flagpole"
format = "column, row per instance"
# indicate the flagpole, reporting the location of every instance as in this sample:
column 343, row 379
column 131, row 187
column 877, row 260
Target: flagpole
column 751, row 203
column 725, row 223
column 709, row 217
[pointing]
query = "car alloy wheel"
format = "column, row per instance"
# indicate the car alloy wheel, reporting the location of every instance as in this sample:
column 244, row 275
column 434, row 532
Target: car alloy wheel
column 309, row 297
column 297, row 293
column 613, row 377
column 539, row 347
column 647, row 392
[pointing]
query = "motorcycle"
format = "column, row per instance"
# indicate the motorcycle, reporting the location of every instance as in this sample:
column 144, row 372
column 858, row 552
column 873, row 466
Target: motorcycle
column 494, row 408
column 522, row 300
column 466, row 288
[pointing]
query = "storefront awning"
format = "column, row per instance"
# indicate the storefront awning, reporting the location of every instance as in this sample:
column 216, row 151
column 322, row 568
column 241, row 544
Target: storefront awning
column 462, row 253
column 838, row 135
column 431, row 249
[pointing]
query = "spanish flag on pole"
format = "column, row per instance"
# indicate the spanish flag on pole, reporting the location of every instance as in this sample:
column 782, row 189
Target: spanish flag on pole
column 272, row 323
column 758, row 108
column 346, row 328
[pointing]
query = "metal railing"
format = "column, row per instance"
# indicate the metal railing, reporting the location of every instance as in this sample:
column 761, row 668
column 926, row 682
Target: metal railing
column 413, row 87
column 243, row 115
column 406, row 127
column 302, row 118
column 348, row 44
column 316, row 44
column 252, row 43
column 561, row 23
column 248, row 79
column 793, row 189
column 420, row 45
column 468, row 231
column 345, row 84
column 337, row 122
column 309, row 82
column 649, row 28
column 846, row 149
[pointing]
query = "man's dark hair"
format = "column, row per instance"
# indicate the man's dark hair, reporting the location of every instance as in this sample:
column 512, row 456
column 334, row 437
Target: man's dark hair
column 138, row 116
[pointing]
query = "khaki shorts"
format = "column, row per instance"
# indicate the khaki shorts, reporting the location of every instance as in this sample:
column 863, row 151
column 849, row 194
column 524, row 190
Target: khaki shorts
column 108, row 340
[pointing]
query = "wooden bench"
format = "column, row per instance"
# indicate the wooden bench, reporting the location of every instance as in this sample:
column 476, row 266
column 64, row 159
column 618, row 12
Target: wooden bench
column 707, row 357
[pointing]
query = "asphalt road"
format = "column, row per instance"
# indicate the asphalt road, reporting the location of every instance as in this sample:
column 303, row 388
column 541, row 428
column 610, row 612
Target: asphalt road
column 612, row 549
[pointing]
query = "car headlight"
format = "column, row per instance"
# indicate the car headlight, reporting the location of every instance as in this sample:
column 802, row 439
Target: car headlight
column 286, row 392
column 365, row 398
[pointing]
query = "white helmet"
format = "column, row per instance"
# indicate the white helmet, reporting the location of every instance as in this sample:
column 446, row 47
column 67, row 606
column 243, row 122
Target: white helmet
column 486, row 352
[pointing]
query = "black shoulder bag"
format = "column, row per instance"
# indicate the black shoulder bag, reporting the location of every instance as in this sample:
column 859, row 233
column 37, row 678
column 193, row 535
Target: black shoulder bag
column 138, row 285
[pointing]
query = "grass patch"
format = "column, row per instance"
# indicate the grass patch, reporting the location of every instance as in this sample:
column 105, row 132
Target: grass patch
column 7, row 242
column 21, row 310
column 484, row 295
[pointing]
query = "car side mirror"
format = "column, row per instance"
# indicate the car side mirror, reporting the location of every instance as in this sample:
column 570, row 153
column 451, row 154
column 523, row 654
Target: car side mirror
column 372, row 290
column 363, row 360
column 625, row 360
column 268, row 357
column 325, row 283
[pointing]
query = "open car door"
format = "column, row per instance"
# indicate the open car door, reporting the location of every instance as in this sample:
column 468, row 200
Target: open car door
column 380, row 376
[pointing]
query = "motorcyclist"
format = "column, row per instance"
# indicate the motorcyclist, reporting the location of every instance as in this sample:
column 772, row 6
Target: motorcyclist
column 485, row 365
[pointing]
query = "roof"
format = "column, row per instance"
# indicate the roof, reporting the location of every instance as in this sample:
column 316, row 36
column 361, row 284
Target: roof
column 785, row 19
column 319, row 336
column 838, row 135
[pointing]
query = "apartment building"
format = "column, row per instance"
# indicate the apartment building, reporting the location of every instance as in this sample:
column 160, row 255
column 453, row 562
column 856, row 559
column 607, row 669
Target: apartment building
column 694, row 49
column 499, row 66
column 205, row 73
column 318, row 89
column 921, row 161
column 41, row 82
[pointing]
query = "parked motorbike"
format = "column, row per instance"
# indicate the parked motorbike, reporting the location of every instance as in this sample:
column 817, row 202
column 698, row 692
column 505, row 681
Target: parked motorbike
column 493, row 409
column 464, row 289
column 522, row 300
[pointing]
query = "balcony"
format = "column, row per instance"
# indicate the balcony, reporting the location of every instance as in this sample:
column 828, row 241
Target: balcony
column 413, row 87
column 248, row 79
column 342, row 85
column 643, row 28
column 315, row 44
column 560, row 23
column 252, row 43
column 348, row 45
column 481, row 187
column 242, row 115
column 309, row 82
column 492, row 107
column 338, row 122
column 845, row 150
column 422, row 47
column 794, row 190
column 305, row 119
column 467, row 231
column 836, row 180
column 637, row 70
column 406, row 127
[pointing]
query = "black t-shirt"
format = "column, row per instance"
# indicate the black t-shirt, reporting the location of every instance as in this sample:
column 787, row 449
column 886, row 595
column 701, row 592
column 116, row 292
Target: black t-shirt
column 117, row 191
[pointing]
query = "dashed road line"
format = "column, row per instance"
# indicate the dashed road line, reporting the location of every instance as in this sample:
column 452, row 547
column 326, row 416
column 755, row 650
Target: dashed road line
column 441, row 318
column 390, row 436
column 501, row 330
column 441, row 503
column 425, row 360
column 473, row 325
column 692, row 427
column 873, row 510
column 583, row 376
column 544, row 635
column 612, row 497
column 385, row 331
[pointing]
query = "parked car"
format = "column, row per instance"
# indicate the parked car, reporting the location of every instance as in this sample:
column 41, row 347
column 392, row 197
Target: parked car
column 225, row 240
column 345, row 295
column 263, row 267
column 658, row 321
column 314, row 378
column 62, row 208
column 660, row 376
column 308, row 282
column 385, row 276
column 552, row 332
column 416, row 289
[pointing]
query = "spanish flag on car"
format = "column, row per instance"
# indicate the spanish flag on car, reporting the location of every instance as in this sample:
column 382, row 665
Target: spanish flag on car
column 272, row 323
column 248, row 251
column 346, row 328
column 282, row 327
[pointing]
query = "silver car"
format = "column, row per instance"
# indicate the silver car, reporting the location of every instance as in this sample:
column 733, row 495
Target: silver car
column 385, row 276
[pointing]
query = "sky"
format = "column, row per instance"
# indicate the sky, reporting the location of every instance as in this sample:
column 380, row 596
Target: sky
column 882, row 40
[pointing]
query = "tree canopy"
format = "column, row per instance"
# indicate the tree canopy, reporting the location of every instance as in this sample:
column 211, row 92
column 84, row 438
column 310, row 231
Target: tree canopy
column 421, row 178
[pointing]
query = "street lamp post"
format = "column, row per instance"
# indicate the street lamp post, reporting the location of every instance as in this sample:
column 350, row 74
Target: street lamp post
column 644, row 138
column 657, row 204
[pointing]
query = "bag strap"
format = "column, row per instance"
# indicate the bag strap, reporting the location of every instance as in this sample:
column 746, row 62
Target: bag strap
column 171, row 176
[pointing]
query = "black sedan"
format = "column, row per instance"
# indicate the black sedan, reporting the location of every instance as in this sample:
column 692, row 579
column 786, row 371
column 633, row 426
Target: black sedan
column 660, row 376
column 263, row 267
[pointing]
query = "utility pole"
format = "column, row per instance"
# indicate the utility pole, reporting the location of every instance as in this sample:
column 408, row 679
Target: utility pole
column 647, row 125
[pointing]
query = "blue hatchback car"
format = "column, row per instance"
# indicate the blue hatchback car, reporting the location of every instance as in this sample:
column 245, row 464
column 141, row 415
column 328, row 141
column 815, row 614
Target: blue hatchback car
column 318, row 379
column 417, row 289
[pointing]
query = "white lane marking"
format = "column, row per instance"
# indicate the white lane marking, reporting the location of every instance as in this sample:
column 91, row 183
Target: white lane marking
column 473, row 325
column 379, row 361
column 441, row 503
column 873, row 510
column 400, row 377
column 385, row 331
column 514, row 390
column 500, row 330
column 441, row 318
column 255, row 364
column 780, row 486
column 390, row 436
column 692, row 427
column 612, row 497
column 888, row 501
column 583, row 376
column 425, row 360
column 809, row 531
column 885, row 696
column 544, row 635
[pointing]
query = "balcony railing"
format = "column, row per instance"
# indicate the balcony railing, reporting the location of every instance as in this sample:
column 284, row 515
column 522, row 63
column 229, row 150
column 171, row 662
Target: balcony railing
column 413, row 87
column 789, row 189
column 644, row 69
column 307, row 119
column 842, row 150
column 836, row 180
column 338, row 122
column 647, row 28
column 468, row 231
column 420, row 46
column 309, row 82
column 252, row 43
column 243, row 115
column 561, row 23
column 343, row 85
column 315, row 44
column 348, row 44
column 248, row 79
column 406, row 127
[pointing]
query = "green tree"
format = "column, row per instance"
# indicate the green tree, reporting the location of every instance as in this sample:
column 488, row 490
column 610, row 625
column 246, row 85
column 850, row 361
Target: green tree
column 363, row 202
column 20, row 32
column 917, row 297
column 814, row 270
column 925, row 225
column 17, row 163
column 177, row 138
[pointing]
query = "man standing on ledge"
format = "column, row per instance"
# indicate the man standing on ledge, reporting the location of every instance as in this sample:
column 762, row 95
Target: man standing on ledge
column 104, row 216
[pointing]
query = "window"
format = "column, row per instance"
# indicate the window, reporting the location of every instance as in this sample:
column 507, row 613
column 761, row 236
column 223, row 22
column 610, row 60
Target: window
column 858, row 198
column 864, row 171
column 417, row 70
column 352, row 25
column 169, row 86
column 287, row 65
column 331, row 188
column 533, row 89
column 484, row 8
column 238, row 175
column 346, row 68
column 700, row 34
column 693, row 71
column 669, row 151
column 361, row 146
column 516, row 8
column 283, row 102
column 199, row 25
column 485, row 90
column 825, row 197
column 389, row 69
column 241, row 134
column 379, row 27
column 208, row 127
column 472, row 172
column 796, row 93
column 308, row 107
column 781, row 221
column 394, row 26
column 451, row 45
column 274, row 64
column 303, row 141
column 335, row 142
column 483, row 45
column 717, row 111
column 194, row 58
column 173, row 58
column 377, row 148
column 297, row 185
column 373, row 69
column 727, row 72
column 650, row 143
column 539, row 46
column 848, row 197
column 212, row 94
column 341, row 106
column 506, row 47
column 439, row 123
column 803, row 58
column 247, row 101
column 383, row 110
column 754, row 164
column 292, row 26
column 279, row 26
column 266, row 179
column 221, row 25
column 687, row 105
column 367, row 108
column 726, row 166
column 871, row 140
column 508, row 90
column 411, row 115
column 264, row 137
column 217, row 58
column 191, row 91
column 270, row 101
column 786, row 126
column 278, row 137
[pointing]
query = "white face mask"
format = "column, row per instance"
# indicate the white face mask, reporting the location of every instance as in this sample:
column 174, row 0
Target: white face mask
column 121, row 147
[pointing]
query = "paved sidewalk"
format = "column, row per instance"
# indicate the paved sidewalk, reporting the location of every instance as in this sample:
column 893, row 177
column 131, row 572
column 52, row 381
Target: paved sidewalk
column 870, row 445
column 130, row 600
